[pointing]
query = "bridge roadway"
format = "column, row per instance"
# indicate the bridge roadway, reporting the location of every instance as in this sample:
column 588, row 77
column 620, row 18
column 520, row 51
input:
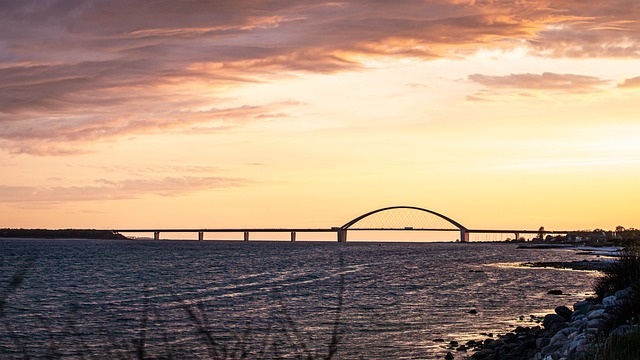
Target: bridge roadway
column 340, row 232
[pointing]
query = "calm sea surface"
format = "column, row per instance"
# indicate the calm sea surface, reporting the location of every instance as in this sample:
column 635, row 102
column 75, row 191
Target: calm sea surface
column 85, row 299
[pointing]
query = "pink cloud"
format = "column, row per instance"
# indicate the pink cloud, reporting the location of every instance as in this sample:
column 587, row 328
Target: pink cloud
column 630, row 83
column 544, row 81
column 118, row 190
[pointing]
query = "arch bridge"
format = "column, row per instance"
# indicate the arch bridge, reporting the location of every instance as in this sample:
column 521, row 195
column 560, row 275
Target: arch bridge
column 402, row 218
column 392, row 218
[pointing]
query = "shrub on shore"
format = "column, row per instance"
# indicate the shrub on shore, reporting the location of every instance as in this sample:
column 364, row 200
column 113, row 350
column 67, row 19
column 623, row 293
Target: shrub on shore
column 623, row 347
column 623, row 274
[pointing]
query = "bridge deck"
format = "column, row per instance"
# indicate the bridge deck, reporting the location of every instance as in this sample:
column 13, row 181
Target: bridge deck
column 227, row 230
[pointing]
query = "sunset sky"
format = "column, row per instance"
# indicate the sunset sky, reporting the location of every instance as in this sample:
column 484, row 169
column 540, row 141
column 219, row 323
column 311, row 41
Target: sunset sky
column 148, row 113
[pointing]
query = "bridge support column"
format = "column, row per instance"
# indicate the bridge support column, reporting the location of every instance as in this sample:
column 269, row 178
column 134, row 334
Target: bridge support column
column 293, row 236
column 464, row 235
column 342, row 235
column 200, row 235
column 246, row 236
column 517, row 236
column 156, row 235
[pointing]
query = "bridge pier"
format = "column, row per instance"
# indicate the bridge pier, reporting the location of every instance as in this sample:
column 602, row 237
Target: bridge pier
column 293, row 236
column 246, row 236
column 464, row 235
column 517, row 235
column 156, row 235
column 342, row 235
column 200, row 235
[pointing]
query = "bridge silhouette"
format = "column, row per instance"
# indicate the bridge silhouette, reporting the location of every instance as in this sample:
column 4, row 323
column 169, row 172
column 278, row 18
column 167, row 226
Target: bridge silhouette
column 393, row 218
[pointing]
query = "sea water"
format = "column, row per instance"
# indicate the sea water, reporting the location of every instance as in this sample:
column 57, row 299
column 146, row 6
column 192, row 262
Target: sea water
column 95, row 299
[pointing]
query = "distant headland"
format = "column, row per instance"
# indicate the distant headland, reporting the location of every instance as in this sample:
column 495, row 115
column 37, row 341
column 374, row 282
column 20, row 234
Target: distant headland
column 61, row 234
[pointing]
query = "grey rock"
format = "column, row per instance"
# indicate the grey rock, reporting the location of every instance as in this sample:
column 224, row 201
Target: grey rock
column 610, row 301
column 550, row 349
column 484, row 353
column 558, row 339
column 596, row 314
column 582, row 306
column 542, row 342
column 579, row 319
column 595, row 324
column 624, row 293
column 594, row 307
column 565, row 312
column 576, row 346
column 551, row 319
column 576, row 335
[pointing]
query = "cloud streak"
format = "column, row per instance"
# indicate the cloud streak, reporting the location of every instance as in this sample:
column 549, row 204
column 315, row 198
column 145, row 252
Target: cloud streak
column 118, row 190
column 545, row 81
column 630, row 83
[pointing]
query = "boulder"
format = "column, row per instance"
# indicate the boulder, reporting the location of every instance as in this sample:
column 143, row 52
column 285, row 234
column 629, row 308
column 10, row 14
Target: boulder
column 596, row 314
column 521, row 329
column 558, row 340
column 581, row 307
column 577, row 319
column 542, row 342
column 551, row 319
column 565, row 312
column 554, row 292
column 594, row 307
column 610, row 301
column 623, row 294
column 595, row 324
column 449, row 356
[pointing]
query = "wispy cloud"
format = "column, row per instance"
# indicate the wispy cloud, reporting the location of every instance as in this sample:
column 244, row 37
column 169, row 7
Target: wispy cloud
column 534, row 85
column 544, row 81
column 630, row 83
column 103, row 189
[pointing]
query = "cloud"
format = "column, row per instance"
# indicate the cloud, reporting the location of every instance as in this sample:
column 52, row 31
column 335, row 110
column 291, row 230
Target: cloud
column 585, row 29
column 117, row 190
column 74, row 72
column 65, row 134
column 546, row 81
column 630, row 83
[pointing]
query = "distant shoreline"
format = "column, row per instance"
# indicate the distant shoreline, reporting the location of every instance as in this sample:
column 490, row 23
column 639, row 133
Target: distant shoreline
column 61, row 234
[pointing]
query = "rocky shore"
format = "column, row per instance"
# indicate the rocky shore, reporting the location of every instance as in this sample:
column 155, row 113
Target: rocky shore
column 567, row 334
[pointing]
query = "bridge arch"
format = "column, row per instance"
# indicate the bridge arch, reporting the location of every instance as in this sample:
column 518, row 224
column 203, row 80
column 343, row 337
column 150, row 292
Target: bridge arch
column 342, row 231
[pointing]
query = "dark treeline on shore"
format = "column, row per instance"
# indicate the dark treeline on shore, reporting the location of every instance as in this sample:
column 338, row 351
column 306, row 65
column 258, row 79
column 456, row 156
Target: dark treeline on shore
column 60, row 234
column 619, row 237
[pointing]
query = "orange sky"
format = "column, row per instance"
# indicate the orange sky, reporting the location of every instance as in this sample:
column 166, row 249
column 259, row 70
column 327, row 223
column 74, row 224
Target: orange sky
column 308, row 113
